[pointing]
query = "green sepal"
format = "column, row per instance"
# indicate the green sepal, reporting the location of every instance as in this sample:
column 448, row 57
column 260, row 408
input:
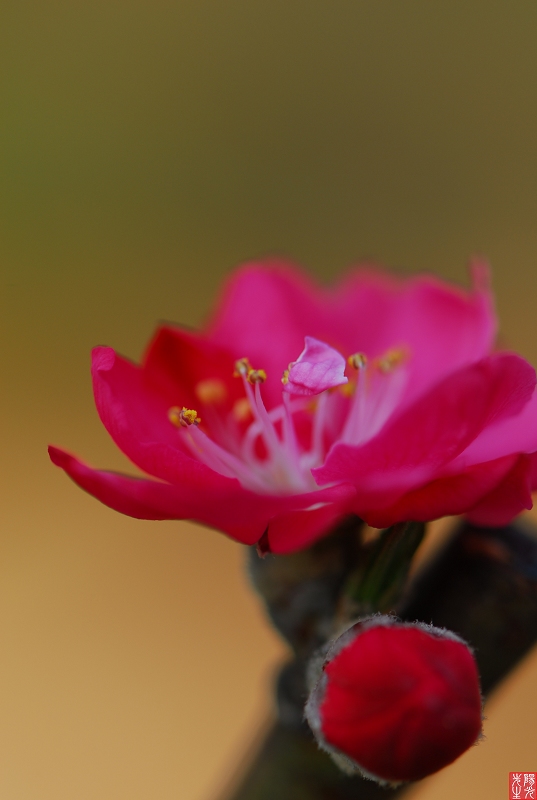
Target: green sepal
column 378, row 583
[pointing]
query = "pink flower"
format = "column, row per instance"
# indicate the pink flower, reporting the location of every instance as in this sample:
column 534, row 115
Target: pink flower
column 392, row 406
column 396, row 702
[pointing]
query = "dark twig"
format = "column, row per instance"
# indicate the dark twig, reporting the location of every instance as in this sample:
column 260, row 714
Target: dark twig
column 483, row 585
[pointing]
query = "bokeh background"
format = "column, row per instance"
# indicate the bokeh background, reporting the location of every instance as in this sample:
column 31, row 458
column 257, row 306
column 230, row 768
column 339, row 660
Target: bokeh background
column 145, row 149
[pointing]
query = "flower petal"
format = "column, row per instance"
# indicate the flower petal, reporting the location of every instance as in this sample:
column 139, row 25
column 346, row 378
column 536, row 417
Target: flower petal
column 178, row 363
column 133, row 402
column 516, row 434
column 511, row 496
column 412, row 449
column 266, row 310
column 442, row 326
column 318, row 367
column 298, row 529
column 203, row 496
column 135, row 415
column 206, row 502
column 454, row 494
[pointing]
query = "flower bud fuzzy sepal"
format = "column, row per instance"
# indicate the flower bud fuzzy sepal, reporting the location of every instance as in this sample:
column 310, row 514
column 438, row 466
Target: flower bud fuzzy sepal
column 395, row 701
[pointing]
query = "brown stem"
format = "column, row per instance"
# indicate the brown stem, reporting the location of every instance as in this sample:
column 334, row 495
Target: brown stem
column 290, row 766
column 302, row 591
column 483, row 585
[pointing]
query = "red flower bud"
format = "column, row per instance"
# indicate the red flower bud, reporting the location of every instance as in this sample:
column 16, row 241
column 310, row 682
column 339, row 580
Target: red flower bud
column 396, row 701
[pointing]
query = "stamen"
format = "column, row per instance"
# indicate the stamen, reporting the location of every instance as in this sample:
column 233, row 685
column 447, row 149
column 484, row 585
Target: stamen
column 211, row 391
column 390, row 360
column 355, row 427
column 289, row 433
column 357, row 361
column 319, row 421
column 348, row 389
column 223, row 461
column 256, row 376
column 377, row 390
column 183, row 417
column 282, row 460
column 242, row 410
column 242, row 368
column 229, row 443
column 261, row 414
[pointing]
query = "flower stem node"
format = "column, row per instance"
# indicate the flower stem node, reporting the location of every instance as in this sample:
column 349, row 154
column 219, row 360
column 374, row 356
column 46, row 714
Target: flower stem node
column 183, row 417
column 395, row 701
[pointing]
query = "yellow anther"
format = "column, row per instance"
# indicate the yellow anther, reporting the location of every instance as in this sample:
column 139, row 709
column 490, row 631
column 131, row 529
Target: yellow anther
column 357, row 360
column 242, row 410
column 242, row 368
column 347, row 389
column 211, row 390
column 183, row 417
column 390, row 360
column 256, row 376
column 285, row 377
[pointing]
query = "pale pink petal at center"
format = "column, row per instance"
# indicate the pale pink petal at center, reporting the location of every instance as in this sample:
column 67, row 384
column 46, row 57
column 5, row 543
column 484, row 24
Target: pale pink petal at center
column 318, row 367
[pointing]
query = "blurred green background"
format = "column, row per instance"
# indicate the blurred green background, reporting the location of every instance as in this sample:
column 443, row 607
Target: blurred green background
column 146, row 149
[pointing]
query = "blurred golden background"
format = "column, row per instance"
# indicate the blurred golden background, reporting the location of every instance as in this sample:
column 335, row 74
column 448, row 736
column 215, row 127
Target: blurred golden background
column 145, row 149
